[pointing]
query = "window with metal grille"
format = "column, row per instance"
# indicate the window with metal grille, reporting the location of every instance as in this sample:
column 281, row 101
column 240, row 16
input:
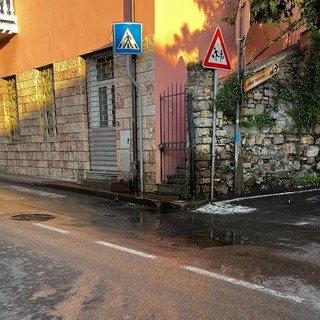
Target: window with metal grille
column 105, row 67
column 106, row 106
column 101, row 90
column 47, row 101
column 12, row 109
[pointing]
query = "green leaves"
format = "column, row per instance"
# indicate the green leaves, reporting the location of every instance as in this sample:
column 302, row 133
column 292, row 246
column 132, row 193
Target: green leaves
column 276, row 11
column 306, row 107
column 293, row 13
column 228, row 96
column 259, row 121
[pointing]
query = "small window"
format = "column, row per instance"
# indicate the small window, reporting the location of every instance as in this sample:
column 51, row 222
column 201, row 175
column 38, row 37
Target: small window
column 47, row 100
column 107, row 106
column 101, row 90
column 12, row 109
column 104, row 67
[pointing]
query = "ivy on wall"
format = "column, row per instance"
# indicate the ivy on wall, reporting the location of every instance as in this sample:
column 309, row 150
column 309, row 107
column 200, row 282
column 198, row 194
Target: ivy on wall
column 228, row 96
column 304, row 92
column 259, row 121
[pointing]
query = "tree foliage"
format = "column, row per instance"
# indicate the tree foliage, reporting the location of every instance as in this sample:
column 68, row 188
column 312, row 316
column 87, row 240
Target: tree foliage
column 228, row 95
column 277, row 11
column 305, row 89
column 294, row 13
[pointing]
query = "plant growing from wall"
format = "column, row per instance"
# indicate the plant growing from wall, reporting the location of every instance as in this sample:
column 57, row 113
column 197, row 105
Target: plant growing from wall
column 305, row 89
column 183, row 191
column 194, row 65
column 275, row 182
column 228, row 96
column 259, row 121
column 298, row 150
column 312, row 179
column 224, row 170
column 294, row 180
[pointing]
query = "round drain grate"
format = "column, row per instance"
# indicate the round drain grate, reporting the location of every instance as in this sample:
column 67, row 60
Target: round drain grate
column 32, row 217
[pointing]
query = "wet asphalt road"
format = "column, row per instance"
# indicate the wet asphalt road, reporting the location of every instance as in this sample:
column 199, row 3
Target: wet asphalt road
column 46, row 274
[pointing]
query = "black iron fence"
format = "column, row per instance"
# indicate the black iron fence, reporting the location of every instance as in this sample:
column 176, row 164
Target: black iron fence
column 173, row 135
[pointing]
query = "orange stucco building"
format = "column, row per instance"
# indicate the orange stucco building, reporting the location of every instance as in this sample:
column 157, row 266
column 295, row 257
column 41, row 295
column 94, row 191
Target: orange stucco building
column 69, row 107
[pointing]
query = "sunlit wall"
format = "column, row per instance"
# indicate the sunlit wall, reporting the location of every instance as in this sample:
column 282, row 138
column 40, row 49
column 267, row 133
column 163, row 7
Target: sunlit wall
column 183, row 33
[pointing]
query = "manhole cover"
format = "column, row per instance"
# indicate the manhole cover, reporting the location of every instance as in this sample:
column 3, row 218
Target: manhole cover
column 32, row 217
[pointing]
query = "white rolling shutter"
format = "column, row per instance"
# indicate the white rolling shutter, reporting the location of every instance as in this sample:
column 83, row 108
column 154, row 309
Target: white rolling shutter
column 102, row 124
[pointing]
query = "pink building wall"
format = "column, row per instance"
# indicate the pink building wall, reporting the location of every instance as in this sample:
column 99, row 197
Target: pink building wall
column 189, row 27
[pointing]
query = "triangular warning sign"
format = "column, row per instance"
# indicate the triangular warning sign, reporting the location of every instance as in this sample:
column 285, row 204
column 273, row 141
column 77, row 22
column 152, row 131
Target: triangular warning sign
column 128, row 41
column 217, row 55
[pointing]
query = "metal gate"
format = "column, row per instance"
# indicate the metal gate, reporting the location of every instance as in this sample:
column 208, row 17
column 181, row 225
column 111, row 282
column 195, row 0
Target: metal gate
column 173, row 135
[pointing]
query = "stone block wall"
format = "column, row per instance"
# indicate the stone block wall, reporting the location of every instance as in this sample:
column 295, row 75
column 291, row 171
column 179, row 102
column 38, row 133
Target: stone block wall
column 200, row 89
column 3, row 126
column 66, row 156
column 123, row 101
column 273, row 157
column 146, row 80
column 123, row 91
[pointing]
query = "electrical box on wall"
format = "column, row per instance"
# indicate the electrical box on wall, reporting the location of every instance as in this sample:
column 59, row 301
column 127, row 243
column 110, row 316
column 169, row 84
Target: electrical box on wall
column 125, row 139
column 125, row 143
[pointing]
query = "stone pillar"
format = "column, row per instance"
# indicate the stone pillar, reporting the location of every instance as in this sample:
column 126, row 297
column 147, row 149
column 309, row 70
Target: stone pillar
column 200, row 88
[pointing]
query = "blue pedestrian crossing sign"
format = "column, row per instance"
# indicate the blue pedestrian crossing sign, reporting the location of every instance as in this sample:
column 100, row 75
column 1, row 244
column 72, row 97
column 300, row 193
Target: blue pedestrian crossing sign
column 127, row 38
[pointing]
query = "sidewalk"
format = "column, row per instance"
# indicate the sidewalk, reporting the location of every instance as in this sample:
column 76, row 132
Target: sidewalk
column 162, row 202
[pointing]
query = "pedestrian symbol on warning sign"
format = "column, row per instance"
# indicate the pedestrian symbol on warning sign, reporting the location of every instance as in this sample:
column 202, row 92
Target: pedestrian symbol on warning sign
column 127, row 41
column 217, row 54
column 127, row 38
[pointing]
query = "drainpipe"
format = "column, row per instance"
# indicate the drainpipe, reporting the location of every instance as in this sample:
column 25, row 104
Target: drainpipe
column 134, row 128
column 134, row 82
column 134, row 114
column 238, row 171
column 133, row 13
column 138, row 90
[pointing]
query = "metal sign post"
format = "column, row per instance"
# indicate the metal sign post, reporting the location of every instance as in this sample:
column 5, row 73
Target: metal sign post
column 214, row 119
column 237, row 137
column 127, row 39
column 242, row 28
column 216, row 58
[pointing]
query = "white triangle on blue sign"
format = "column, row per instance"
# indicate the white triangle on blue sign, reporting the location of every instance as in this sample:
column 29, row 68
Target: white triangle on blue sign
column 128, row 41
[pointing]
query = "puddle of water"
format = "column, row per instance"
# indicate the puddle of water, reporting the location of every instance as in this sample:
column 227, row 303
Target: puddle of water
column 146, row 219
column 216, row 238
column 187, row 231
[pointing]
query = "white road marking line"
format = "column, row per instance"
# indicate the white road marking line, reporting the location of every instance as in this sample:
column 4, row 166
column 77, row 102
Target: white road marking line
column 37, row 192
column 135, row 252
column 268, row 195
column 245, row 284
column 8, row 197
column 224, row 206
column 51, row 228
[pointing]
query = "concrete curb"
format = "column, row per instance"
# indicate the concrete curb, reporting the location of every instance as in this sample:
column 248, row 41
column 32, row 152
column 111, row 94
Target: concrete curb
column 161, row 202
